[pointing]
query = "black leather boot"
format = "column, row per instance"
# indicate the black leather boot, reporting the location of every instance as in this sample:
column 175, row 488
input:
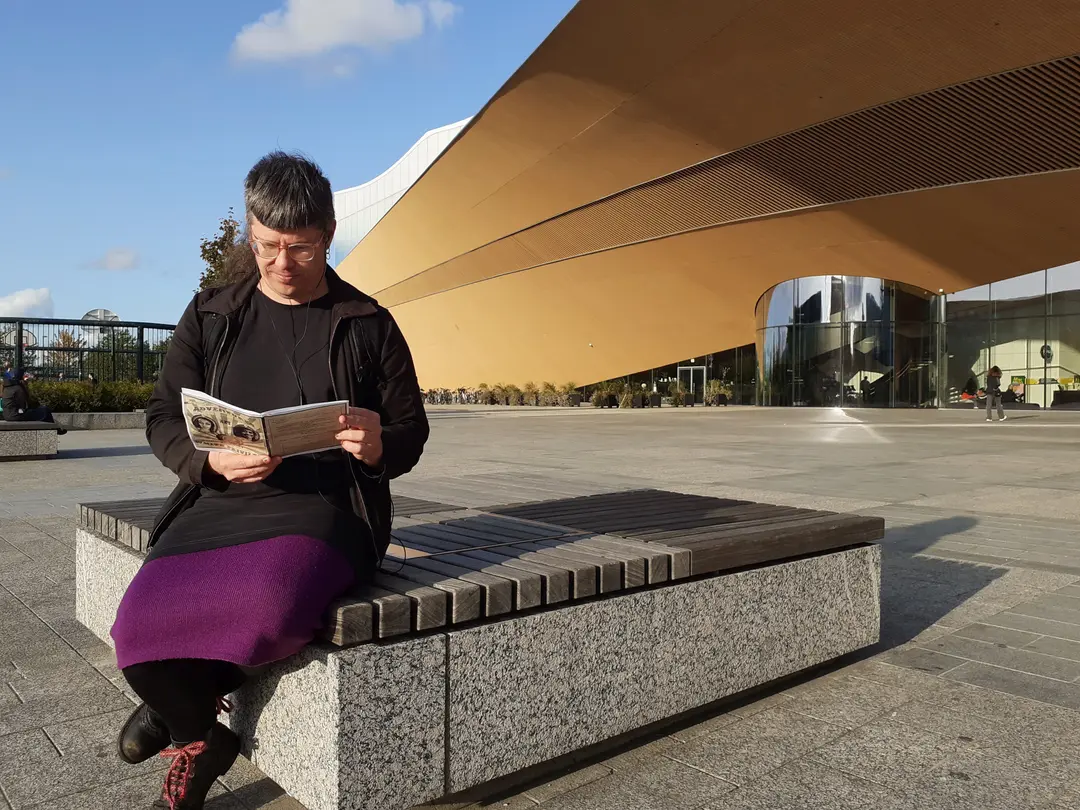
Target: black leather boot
column 143, row 735
column 195, row 767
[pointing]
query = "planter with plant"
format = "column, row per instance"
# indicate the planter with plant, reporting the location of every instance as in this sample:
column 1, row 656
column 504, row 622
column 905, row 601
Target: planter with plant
column 717, row 392
column 569, row 395
column 549, row 395
column 530, row 394
column 514, row 395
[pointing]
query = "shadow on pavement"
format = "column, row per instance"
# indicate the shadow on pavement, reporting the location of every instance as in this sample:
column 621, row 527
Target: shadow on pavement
column 105, row 452
column 917, row 591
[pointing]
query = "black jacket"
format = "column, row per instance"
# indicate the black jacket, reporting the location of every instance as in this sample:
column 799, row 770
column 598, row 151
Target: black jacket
column 371, row 366
column 15, row 399
column 993, row 385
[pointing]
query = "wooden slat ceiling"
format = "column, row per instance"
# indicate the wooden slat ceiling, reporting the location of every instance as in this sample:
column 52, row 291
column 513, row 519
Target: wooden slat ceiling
column 625, row 91
column 1005, row 125
column 656, row 157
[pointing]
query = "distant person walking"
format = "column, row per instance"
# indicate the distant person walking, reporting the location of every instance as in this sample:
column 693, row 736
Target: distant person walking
column 249, row 551
column 16, row 402
column 993, row 395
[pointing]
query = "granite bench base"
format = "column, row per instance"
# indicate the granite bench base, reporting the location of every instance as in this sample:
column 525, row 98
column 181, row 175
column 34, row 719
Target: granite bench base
column 103, row 421
column 385, row 726
column 27, row 441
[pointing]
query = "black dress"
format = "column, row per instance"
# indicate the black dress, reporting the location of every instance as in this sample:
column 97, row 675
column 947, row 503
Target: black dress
column 286, row 348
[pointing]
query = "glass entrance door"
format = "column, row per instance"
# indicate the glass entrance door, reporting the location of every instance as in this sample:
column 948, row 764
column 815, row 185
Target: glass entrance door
column 692, row 380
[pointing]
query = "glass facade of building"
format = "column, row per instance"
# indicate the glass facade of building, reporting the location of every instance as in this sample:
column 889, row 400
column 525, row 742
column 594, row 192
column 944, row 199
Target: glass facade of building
column 861, row 342
column 1028, row 326
column 852, row 342
column 846, row 342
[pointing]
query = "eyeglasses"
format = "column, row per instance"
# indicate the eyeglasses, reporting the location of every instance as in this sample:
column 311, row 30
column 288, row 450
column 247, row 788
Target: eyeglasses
column 299, row 252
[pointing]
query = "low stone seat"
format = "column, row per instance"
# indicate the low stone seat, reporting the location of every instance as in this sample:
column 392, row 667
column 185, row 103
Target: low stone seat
column 496, row 640
column 27, row 441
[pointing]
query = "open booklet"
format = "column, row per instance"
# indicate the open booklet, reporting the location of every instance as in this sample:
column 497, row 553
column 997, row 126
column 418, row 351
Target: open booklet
column 216, row 425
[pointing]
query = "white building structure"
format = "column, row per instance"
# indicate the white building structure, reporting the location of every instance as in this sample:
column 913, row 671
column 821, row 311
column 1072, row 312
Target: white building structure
column 359, row 208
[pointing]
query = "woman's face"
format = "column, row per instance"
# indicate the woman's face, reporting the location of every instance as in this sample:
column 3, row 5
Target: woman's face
column 292, row 264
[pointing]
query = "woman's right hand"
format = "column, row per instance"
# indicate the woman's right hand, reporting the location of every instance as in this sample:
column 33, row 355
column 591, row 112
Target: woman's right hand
column 240, row 468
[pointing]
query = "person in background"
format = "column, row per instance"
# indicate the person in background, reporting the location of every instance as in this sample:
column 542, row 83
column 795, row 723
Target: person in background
column 8, row 373
column 993, row 395
column 16, row 402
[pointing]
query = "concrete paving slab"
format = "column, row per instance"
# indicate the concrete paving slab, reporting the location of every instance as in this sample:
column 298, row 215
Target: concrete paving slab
column 660, row 784
column 808, row 785
column 935, row 770
column 935, row 581
column 751, row 748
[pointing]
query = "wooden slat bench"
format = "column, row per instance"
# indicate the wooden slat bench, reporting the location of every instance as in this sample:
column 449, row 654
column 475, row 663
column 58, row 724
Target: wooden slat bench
column 498, row 639
column 27, row 441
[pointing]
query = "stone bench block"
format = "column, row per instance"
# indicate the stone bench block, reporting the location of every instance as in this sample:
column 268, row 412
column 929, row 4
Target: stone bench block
column 28, row 445
column 529, row 689
column 103, row 421
column 103, row 571
column 385, row 726
column 360, row 727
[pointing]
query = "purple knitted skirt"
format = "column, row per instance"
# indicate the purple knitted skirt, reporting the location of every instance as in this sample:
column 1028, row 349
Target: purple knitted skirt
column 248, row 604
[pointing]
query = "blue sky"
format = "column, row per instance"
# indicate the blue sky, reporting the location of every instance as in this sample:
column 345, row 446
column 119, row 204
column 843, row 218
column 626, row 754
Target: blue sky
column 127, row 126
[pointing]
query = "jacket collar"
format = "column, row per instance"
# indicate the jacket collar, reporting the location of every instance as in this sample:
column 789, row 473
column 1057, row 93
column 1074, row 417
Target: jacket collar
column 348, row 302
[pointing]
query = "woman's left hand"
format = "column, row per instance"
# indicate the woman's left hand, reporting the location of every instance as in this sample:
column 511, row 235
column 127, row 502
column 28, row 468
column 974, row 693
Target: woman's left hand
column 362, row 436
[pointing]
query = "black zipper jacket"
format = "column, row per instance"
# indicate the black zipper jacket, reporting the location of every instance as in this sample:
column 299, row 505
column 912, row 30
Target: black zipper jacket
column 370, row 365
column 15, row 400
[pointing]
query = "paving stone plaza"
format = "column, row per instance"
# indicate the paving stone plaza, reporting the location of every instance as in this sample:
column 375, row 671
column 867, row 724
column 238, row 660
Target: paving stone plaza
column 971, row 700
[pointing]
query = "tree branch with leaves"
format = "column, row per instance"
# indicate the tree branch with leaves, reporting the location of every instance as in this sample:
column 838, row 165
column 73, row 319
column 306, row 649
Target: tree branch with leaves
column 227, row 255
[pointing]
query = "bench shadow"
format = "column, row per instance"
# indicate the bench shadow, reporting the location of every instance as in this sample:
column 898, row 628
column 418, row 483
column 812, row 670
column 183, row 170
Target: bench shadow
column 105, row 452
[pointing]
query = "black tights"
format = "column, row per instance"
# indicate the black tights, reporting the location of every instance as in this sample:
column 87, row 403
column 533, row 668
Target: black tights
column 184, row 692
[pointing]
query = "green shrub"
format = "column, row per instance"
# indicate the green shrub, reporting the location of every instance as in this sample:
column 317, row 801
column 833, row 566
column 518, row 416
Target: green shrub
column 81, row 397
column 676, row 391
column 530, row 393
column 515, row 395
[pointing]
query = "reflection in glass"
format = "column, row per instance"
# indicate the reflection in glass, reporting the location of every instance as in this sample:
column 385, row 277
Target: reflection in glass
column 967, row 358
column 968, row 304
column 867, row 299
column 912, row 304
column 1017, row 348
column 1063, row 288
column 1063, row 337
column 914, row 364
column 774, row 347
column 819, row 372
column 775, row 307
column 1020, row 297
column 868, row 365
column 819, row 299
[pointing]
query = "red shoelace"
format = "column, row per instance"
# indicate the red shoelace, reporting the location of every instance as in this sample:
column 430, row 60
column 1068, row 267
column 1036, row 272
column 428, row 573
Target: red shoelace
column 180, row 772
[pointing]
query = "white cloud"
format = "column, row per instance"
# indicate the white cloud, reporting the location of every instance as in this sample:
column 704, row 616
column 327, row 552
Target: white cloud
column 117, row 259
column 307, row 28
column 442, row 12
column 27, row 303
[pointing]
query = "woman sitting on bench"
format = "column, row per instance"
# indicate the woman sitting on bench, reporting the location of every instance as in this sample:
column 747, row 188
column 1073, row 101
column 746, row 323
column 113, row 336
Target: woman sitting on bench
column 249, row 551
column 16, row 402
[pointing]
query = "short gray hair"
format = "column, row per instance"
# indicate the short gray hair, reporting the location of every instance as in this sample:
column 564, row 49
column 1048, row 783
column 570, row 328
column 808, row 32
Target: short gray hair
column 288, row 193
